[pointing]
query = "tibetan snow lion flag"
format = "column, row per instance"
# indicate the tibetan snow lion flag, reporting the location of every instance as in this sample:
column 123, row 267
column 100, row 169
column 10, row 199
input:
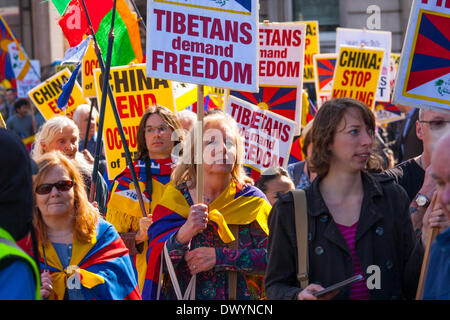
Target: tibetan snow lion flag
column 74, row 24
column 423, row 77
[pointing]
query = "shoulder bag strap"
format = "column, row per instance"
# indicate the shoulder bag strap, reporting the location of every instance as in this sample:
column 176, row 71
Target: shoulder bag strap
column 189, row 294
column 301, row 230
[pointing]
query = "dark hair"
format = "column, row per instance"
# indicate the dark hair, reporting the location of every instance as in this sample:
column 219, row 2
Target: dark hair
column 306, row 142
column 168, row 117
column 325, row 126
column 270, row 174
column 19, row 103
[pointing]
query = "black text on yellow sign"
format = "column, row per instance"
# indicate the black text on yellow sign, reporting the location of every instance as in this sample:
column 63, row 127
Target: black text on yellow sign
column 357, row 74
column 133, row 94
column 45, row 95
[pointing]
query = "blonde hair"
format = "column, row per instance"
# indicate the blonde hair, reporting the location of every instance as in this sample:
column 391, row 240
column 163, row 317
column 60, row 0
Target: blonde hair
column 186, row 169
column 48, row 132
column 85, row 214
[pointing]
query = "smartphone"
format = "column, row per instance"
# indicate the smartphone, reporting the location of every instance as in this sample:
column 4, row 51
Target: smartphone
column 338, row 285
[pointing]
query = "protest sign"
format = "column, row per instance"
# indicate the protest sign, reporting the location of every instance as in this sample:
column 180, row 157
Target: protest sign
column 45, row 96
column 27, row 72
column 281, row 54
column 370, row 38
column 312, row 47
column 133, row 92
column 386, row 112
column 31, row 80
column 268, row 136
column 285, row 101
column 90, row 63
column 204, row 42
column 357, row 73
column 324, row 65
column 423, row 78
column 186, row 96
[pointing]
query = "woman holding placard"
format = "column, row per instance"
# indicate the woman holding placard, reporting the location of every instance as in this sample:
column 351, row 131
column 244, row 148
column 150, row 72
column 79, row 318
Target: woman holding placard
column 220, row 243
column 358, row 223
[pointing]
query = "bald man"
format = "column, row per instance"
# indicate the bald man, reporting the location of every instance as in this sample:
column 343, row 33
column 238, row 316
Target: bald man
column 437, row 285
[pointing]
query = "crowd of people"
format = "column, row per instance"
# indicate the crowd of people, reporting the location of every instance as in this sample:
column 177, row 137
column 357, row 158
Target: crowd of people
column 218, row 234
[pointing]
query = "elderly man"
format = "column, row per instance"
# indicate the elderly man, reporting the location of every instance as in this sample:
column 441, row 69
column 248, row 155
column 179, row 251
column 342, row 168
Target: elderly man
column 437, row 284
column 81, row 118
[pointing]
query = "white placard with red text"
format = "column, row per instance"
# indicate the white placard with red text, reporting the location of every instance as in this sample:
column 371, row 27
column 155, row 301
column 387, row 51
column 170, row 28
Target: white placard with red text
column 281, row 53
column 267, row 135
column 204, row 42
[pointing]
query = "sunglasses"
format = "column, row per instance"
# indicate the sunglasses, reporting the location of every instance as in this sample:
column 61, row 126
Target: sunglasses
column 436, row 124
column 46, row 188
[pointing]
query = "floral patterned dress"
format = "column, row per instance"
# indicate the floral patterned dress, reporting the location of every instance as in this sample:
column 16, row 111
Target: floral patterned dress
column 249, row 261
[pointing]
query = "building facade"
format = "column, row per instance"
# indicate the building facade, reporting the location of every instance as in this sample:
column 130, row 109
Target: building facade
column 35, row 22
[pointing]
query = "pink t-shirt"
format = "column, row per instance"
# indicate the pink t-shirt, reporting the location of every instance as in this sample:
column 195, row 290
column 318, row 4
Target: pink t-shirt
column 359, row 289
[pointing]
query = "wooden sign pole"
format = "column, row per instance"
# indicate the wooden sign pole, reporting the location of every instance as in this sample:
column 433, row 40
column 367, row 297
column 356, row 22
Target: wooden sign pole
column 199, row 149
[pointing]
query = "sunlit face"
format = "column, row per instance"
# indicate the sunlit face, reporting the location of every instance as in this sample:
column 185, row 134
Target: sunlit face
column 65, row 141
column 219, row 148
column 158, row 137
column 276, row 187
column 57, row 203
column 352, row 142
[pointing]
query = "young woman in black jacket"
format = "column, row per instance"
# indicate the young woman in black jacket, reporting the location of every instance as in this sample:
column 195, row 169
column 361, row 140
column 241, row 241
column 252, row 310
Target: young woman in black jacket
column 358, row 223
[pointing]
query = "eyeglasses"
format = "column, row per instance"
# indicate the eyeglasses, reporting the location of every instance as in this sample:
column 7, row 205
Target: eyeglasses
column 436, row 124
column 46, row 188
column 160, row 129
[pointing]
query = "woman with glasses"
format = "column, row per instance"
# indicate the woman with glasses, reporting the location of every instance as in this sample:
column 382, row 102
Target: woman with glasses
column 79, row 251
column 218, row 243
column 358, row 223
column 158, row 134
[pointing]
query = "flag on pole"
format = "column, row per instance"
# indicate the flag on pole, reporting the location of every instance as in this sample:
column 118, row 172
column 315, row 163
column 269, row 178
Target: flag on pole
column 67, row 88
column 74, row 24
column 75, row 54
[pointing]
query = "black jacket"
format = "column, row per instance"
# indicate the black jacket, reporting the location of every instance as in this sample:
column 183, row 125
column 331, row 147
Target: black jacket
column 384, row 238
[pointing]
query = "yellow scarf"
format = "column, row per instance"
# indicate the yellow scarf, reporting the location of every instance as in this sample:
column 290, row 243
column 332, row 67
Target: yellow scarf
column 60, row 276
column 226, row 209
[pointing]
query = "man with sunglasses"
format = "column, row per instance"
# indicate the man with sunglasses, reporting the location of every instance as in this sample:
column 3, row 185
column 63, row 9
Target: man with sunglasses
column 414, row 174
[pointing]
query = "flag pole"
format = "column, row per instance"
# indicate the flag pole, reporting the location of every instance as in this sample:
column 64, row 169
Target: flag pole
column 88, row 127
column 139, row 14
column 426, row 257
column 106, row 83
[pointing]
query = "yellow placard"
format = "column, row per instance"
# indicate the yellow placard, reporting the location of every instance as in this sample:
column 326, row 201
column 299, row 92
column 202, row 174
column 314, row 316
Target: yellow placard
column 357, row 72
column 133, row 93
column 190, row 97
column 312, row 47
column 90, row 63
column 45, row 96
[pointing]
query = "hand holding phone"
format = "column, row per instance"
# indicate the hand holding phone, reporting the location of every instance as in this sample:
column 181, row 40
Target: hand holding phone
column 338, row 285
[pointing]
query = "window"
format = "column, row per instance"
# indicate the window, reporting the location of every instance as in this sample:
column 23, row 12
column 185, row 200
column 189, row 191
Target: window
column 325, row 11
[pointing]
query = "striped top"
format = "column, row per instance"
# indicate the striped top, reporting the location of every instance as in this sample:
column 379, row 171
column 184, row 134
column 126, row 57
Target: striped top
column 359, row 289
